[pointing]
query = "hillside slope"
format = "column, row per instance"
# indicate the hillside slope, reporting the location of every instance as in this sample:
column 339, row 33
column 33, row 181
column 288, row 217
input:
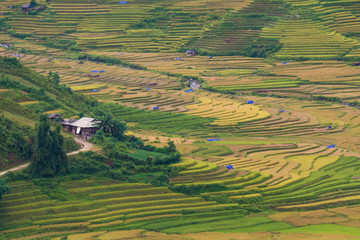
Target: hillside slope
column 251, row 28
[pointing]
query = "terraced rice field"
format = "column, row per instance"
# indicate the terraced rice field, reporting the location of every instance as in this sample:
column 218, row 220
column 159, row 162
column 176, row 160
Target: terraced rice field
column 307, row 39
column 279, row 147
column 107, row 204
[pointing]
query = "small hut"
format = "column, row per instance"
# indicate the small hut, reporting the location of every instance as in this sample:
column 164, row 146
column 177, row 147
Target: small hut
column 54, row 116
column 25, row 7
column 84, row 128
column 190, row 53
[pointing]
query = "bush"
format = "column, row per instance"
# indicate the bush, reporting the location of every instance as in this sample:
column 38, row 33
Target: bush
column 197, row 189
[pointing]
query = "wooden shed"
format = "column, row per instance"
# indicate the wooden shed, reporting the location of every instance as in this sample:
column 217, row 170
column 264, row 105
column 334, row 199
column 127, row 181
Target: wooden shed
column 84, row 128
column 190, row 53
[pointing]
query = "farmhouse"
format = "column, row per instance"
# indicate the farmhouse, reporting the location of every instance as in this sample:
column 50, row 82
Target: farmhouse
column 190, row 53
column 54, row 116
column 84, row 128
column 25, row 7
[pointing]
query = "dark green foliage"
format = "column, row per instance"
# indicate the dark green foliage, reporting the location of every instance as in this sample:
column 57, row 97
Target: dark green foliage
column 160, row 14
column 113, row 126
column 129, row 159
column 4, row 188
column 327, row 99
column 62, row 44
column 49, row 158
column 261, row 49
column 19, row 35
column 54, row 77
column 33, row 3
column 110, row 60
column 13, row 140
column 197, row 189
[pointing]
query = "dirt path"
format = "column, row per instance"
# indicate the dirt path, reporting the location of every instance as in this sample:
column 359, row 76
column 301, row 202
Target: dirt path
column 85, row 146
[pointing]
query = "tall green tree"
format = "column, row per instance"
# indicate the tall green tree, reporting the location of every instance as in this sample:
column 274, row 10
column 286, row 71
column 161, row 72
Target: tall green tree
column 4, row 188
column 49, row 158
column 113, row 126
column 33, row 3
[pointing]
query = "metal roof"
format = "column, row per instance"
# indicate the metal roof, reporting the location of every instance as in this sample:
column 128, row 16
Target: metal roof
column 86, row 122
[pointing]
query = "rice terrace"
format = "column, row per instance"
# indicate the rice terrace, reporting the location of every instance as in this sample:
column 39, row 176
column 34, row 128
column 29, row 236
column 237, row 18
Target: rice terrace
column 180, row 119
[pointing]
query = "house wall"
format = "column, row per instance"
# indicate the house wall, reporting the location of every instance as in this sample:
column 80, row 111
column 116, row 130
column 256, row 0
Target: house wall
column 85, row 133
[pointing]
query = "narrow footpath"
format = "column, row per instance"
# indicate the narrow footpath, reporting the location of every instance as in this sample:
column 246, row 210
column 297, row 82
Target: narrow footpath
column 85, row 146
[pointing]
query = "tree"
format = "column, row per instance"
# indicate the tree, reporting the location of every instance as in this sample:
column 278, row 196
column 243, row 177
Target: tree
column 172, row 147
column 33, row 3
column 49, row 158
column 4, row 188
column 113, row 126
column 54, row 77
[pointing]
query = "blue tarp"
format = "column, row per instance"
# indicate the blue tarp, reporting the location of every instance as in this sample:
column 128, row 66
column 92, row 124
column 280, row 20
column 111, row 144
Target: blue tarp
column 123, row 2
column 95, row 71
column 121, row 53
column 102, row 71
column 189, row 90
column 148, row 88
column 213, row 139
column 95, row 90
column 210, row 57
column 250, row 102
column 281, row 110
column 331, row 146
column 330, row 127
column 229, row 166
column 17, row 55
column 284, row 63
column 155, row 108
column 178, row 58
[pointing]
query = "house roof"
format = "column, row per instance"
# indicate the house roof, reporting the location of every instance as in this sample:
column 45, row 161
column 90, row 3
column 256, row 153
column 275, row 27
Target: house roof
column 86, row 122
column 68, row 121
column 54, row 115
column 190, row 51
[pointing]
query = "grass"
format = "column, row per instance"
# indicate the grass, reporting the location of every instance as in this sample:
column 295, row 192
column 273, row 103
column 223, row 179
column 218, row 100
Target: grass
column 326, row 228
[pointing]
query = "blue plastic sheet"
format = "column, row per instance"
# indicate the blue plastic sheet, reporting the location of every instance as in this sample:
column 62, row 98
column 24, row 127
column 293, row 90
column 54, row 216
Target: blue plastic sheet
column 281, row 110
column 95, row 90
column 213, row 139
column 155, row 108
column 123, row 2
column 330, row 127
column 102, row 71
column 284, row 63
column 250, row 102
column 331, row 146
column 229, row 166
column 95, row 71
column 189, row 90
column 178, row 58
column 211, row 57
column 148, row 88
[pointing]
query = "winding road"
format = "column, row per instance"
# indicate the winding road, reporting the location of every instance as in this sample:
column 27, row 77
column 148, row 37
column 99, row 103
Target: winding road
column 85, row 146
